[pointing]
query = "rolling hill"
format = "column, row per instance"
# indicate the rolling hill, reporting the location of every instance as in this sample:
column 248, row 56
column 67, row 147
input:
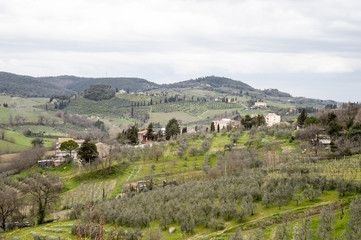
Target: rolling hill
column 28, row 86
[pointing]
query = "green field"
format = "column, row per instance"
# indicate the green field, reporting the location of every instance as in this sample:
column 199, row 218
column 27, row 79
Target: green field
column 25, row 107
column 19, row 142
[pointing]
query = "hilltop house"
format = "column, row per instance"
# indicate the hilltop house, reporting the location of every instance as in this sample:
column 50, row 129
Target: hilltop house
column 272, row 119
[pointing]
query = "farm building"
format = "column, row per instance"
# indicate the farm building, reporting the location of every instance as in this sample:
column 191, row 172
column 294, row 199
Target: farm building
column 62, row 154
column 50, row 163
column 141, row 136
column 225, row 122
column 272, row 119
column 260, row 104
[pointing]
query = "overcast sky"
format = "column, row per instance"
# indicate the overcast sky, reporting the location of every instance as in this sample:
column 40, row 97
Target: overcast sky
column 308, row 48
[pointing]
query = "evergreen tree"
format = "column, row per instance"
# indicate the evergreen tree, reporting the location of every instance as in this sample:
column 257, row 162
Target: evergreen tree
column 248, row 122
column 88, row 151
column 302, row 118
column 261, row 120
column 172, row 128
column 69, row 146
column 218, row 128
column 160, row 136
column 184, row 130
column 132, row 134
column 213, row 128
column 150, row 133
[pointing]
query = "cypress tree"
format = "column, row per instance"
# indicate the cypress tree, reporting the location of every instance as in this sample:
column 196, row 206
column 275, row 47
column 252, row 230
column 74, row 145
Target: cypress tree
column 302, row 118
column 213, row 129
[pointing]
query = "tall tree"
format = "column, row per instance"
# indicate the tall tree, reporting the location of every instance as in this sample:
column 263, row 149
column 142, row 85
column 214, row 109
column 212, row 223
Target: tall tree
column 132, row 134
column 160, row 136
column 172, row 128
column 132, row 112
column 150, row 133
column 261, row 120
column 9, row 204
column 43, row 190
column 213, row 128
column 354, row 133
column 302, row 118
column 248, row 122
column 88, row 150
column 69, row 146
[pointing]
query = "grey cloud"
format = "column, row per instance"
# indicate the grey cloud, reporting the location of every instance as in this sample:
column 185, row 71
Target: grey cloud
column 271, row 42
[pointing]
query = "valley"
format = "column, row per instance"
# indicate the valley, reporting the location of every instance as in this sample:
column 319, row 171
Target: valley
column 251, row 177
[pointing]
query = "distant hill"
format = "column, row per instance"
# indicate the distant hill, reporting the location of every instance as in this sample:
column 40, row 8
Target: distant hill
column 222, row 84
column 212, row 82
column 27, row 86
column 13, row 84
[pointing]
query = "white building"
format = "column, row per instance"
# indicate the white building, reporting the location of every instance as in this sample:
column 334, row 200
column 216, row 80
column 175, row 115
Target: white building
column 260, row 104
column 222, row 123
column 272, row 119
column 225, row 122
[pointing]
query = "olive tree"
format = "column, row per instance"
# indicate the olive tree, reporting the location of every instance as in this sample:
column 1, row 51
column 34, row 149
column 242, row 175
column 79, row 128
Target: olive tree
column 43, row 190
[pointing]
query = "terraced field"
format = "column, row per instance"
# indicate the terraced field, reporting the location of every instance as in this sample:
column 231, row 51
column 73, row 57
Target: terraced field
column 193, row 108
column 89, row 192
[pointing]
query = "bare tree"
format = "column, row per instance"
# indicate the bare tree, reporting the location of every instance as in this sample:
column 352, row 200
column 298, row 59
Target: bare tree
column 43, row 191
column 314, row 134
column 17, row 119
column 41, row 119
column 9, row 205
